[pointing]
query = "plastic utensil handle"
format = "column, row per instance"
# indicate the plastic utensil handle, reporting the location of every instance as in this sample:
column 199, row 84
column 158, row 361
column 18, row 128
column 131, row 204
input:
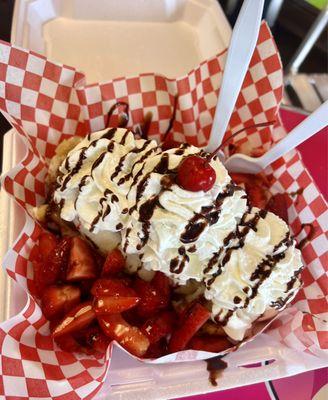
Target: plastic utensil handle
column 307, row 128
column 240, row 51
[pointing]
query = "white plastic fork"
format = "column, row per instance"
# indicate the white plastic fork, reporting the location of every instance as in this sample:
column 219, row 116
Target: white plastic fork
column 240, row 51
column 307, row 128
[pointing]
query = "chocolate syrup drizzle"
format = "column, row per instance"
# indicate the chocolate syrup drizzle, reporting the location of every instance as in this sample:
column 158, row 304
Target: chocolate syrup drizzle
column 146, row 210
column 177, row 264
column 144, row 157
column 239, row 233
column 215, row 366
column 82, row 156
column 263, row 269
column 208, row 215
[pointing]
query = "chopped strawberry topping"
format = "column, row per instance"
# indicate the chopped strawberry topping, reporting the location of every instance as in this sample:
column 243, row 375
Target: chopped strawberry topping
column 195, row 319
column 130, row 337
column 59, row 299
column 114, row 264
column 81, row 264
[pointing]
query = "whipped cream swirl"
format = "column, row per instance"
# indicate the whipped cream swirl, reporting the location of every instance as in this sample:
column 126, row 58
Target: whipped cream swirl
column 116, row 188
column 257, row 270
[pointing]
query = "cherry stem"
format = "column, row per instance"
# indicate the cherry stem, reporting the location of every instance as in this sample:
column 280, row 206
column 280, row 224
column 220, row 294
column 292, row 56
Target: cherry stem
column 260, row 125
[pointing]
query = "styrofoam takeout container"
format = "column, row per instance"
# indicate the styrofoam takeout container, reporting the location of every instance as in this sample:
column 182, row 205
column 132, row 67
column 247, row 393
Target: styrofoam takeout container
column 189, row 31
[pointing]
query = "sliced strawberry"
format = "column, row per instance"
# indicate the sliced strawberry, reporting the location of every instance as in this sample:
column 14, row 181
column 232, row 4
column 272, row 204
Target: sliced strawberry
column 37, row 277
column 100, row 260
column 78, row 318
column 68, row 343
column 47, row 243
column 112, row 287
column 214, row 344
column 184, row 310
column 35, row 254
column 151, row 299
column 278, row 205
column 114, row 264
column 94, row 337
column 250, row 179
column 57, row 261
column 57, row 300
column 256, row 195
column 195, row 319
column 156, row 350
column 240, row 178
column 130, row 337
column 247, row 149
column 162, row 284
column 81, row 261
column 49, row 271
column 113, row 304
column 255, row 186
column 158, row 327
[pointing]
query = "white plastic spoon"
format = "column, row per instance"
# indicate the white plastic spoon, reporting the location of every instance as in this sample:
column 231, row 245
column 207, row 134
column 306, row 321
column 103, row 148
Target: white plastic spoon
column 307, row 128
column 240, row 51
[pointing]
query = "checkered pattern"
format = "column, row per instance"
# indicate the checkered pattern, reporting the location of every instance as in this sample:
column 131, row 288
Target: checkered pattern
column 47, row 102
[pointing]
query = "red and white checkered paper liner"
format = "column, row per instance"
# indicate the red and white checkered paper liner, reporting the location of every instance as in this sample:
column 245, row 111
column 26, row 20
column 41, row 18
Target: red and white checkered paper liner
column 47, row 102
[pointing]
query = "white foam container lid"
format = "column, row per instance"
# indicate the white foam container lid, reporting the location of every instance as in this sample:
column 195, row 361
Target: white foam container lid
column 107, row 39
column 111, row 38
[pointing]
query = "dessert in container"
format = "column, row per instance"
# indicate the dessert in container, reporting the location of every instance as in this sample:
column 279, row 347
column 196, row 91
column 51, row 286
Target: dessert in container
column 292, row 329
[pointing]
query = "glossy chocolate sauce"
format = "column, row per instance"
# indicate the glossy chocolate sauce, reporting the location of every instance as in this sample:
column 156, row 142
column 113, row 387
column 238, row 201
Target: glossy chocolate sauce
column 126, row 240
column 177, row 264
column 240, row 233
column 146, row 209
column 142, row 159
column 95, row 221
column 281, row 302
column 75, row 169
column 106, row 212
column 266, row 266
column 293, row 279
column 215, row 366
column 98, row 161
column 263, row 269
column 227, row 317
column 124, row 137
column 181, row 149
column 119, row 166
column 193, row 229
column 82, row 183
column 108, row 135
column 192, row 249
column 208, row 215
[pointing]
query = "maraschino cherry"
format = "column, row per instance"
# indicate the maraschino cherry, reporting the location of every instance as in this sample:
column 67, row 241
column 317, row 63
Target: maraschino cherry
column 195, row 173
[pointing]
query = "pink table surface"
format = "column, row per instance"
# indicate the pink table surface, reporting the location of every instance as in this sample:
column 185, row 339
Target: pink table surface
column 303, row 386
